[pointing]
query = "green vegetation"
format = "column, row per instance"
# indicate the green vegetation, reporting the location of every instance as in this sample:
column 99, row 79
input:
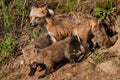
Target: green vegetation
column 90, row 66
column 8, row 40
column 102, row 12
column 116, row 63
column 97, row 57
column 6, row 47
column 119, row 18
column 5, row 13
column 19, row 7
column 66, row 6
column 70, row 5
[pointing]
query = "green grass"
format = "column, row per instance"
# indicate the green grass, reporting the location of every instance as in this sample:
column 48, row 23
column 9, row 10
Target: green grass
column 97, row 57
column 5, row 14
column 6, row 47
column 116, row 63
column 70, row 5
column 119, row 18
column 8, row 42
column 90, row 66
column 67, row 6
column 103, row 12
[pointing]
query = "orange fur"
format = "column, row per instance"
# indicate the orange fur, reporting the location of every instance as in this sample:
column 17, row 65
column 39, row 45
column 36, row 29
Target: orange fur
column 59, row 27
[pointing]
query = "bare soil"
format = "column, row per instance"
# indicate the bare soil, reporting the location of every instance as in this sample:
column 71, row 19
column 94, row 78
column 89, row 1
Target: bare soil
column 88, row 69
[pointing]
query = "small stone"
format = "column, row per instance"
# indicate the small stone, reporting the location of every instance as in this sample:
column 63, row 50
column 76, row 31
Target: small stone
column 21, row 62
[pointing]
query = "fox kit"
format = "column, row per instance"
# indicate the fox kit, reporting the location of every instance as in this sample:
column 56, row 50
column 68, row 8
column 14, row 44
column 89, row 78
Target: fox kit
column 49, row 55
column 58, row 27
column 42, row 41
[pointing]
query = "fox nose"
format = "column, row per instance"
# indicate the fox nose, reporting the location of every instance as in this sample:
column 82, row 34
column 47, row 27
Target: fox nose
column 33, row 24
column 30, row 23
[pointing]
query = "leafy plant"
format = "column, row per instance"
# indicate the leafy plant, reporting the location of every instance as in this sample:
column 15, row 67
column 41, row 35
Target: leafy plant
column 12, row 11
column 102, row 12
column 5, row 14
column 6, row 47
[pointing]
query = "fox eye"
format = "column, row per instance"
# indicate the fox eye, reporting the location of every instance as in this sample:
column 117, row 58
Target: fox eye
column 35, row 51
column 38, row 18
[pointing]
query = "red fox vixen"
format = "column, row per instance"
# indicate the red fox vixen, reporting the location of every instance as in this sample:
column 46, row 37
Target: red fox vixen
column 59, row 27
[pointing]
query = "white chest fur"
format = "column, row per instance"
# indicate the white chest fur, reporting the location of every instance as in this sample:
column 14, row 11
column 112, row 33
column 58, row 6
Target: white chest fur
column 50, row 34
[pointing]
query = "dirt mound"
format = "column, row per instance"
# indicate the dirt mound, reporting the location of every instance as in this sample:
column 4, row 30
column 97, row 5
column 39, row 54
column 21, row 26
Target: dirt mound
column 89, row 69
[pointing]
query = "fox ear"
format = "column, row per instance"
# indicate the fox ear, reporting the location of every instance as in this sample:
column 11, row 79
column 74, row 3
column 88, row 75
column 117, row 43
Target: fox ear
column 33, row 7
column 45, row 6
column 51, row 12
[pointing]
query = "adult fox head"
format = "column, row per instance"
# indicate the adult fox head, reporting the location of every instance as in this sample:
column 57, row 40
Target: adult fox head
column 38, row 15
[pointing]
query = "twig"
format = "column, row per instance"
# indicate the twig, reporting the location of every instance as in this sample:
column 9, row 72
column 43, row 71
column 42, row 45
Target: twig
column 23, row 15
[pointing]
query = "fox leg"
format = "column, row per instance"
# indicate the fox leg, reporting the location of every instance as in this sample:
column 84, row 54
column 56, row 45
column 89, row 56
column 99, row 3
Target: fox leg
column 75, row 33
column 86, row 50
column 68, row 55
column 82, row 48
column 47, row 72
column 51, row 37
column 49, row 65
